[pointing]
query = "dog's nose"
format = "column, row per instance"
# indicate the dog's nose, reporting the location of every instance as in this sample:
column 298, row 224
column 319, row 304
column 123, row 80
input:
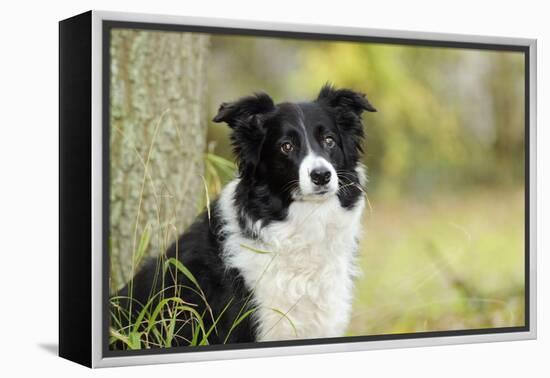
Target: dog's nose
column 320, row 176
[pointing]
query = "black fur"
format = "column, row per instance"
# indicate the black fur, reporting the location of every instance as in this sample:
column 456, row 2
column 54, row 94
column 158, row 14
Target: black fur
column 259, row 127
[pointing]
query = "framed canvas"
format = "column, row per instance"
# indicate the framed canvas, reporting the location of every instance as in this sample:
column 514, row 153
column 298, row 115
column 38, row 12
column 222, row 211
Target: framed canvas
column 237, row 189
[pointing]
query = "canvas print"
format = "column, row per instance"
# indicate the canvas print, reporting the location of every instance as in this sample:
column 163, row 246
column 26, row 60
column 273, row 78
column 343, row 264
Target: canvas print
column 266, row 189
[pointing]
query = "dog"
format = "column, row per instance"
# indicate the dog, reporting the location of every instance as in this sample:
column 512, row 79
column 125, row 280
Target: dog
column 274, row 257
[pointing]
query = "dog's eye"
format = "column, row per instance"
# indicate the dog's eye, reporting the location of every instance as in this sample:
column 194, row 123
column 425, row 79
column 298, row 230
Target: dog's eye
column 287, row 147
column 329, row 141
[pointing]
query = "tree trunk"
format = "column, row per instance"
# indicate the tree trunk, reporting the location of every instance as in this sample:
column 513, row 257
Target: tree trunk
column 157, row 140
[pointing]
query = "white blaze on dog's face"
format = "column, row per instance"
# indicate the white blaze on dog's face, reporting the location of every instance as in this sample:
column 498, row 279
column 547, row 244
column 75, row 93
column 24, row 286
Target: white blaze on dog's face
column 317, row 178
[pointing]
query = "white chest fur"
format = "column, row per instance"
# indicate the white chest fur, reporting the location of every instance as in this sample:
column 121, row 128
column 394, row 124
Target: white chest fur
column 300, row 270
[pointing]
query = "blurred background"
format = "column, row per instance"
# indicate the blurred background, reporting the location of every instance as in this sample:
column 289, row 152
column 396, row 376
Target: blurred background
column 443, row 247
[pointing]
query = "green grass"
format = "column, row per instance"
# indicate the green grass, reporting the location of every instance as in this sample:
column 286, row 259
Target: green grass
column 455, row 261
column 156, row 323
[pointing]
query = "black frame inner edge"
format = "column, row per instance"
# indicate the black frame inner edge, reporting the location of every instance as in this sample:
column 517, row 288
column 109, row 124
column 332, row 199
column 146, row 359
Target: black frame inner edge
column 108, row 25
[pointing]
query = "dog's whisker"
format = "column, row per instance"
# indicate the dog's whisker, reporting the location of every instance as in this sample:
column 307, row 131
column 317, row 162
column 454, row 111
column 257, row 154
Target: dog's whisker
column 290, row 186
column 357, row 184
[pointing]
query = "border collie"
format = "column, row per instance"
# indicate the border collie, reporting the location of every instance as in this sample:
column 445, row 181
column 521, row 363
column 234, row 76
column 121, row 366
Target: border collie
column 280, row 242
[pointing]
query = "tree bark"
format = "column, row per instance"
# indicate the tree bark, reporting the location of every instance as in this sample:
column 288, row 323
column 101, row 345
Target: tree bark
column 157, row 140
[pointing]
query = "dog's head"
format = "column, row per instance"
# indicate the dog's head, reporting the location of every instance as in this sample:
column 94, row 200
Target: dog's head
column 305, row 150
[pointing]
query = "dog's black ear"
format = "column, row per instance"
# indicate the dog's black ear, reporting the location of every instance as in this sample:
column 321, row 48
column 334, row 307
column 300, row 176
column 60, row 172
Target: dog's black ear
column 347, row 106
column 345, row 98
column 244, row 109
column 247, row 119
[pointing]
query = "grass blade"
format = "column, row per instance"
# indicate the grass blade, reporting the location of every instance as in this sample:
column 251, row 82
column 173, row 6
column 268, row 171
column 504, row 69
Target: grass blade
column 256, row 250
column 182, row 268
column 287, row 318
column 237, row 322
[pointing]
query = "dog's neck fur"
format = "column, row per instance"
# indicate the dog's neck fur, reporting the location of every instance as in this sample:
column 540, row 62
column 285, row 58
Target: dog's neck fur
column 299, row 266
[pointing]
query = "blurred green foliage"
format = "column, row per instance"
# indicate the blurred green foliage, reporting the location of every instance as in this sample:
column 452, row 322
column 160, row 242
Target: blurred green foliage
column 453, row 262
column 447, row 118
